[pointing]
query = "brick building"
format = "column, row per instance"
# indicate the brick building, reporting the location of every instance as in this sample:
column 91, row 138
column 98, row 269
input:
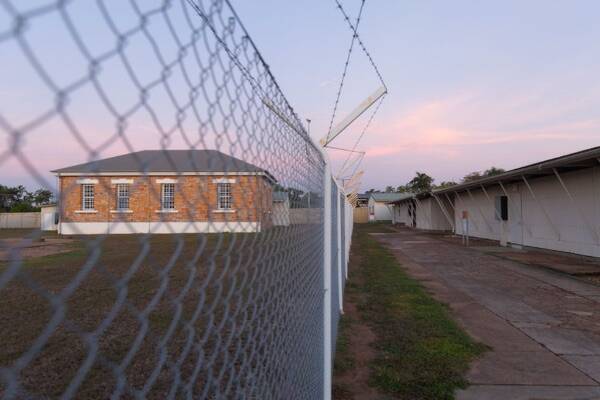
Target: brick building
column 164, row 191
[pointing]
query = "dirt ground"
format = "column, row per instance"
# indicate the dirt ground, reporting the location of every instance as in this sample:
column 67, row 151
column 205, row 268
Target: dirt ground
column 352, row 382
column 26, row 248
column 543, row 326
column 132, row 315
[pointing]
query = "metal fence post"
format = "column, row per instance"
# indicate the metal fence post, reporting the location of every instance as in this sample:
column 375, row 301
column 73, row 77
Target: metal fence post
column 327, row 359
column 339, row 250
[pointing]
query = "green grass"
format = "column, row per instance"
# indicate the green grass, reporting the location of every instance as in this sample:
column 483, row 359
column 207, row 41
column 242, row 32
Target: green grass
column 343, row 357
column 421, row 352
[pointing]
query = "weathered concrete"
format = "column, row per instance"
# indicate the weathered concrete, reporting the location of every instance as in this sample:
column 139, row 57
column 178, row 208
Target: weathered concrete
column 543, row 326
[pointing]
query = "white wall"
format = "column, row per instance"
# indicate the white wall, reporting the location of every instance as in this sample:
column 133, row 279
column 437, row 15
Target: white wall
column 430, row 215
column 563, row 229
column 381, row 211
column 100, row 228
column 281, row 213
column 47, row 218
column 20, row 220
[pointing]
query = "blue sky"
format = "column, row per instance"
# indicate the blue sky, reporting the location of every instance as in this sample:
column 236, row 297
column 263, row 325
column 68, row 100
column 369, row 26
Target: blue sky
column 472, row 84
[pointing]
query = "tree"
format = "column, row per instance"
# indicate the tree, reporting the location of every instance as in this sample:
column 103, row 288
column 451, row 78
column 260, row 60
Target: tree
column 18, row 199
column 402, row 189
column 493, row 171
column 420, row 183
column 473, row 176
column 389, row 189
column 445, row 184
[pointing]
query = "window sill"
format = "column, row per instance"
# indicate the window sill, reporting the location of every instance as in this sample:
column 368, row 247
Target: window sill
column 167, row 211
column 121, row 211
column 224, row 211
column 86, row 211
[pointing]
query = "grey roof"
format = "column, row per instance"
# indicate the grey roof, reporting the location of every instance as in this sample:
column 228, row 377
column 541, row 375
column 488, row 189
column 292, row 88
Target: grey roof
column 570, row 162
column 280, row 196
column 165, row 161
column 388, row 197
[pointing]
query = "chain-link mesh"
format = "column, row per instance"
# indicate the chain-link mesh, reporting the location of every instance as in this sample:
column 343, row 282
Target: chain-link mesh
column 191, row 263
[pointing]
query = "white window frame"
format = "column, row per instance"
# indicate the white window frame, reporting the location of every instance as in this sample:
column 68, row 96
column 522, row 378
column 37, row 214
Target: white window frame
column 224, row 196
column 87, row 196
column 167, row 196
column 122, row 191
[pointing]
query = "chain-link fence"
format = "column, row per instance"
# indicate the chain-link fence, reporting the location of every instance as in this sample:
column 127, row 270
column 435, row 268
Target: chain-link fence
column 201, row 242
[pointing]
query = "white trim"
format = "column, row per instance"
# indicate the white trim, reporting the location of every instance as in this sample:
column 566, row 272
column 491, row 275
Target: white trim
column 166, row 180
column 87, row 181
column 86, row 211
column 167, row 211
column 121, row 181
column 121, row 211
column 198, row 173
column 224, row 180
column 224, row 211
column 121, row 227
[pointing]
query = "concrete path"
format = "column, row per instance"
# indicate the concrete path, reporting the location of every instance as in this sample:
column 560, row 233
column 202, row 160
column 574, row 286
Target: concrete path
column 543, row 327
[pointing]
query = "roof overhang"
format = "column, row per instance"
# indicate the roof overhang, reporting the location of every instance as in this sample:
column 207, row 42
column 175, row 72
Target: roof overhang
column 571, row 162
column 267, row 175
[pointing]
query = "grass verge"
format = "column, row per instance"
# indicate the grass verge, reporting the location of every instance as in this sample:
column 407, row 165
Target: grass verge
column 421, row 353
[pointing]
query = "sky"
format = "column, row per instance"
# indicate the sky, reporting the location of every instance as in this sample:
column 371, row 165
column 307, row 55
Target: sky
column 471, row 84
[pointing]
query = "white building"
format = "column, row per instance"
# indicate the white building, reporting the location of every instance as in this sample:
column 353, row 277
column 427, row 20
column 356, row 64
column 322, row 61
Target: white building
column 553, row 204
column 49, row 217
column 422, row 211
column 380, row 205
column 281, row 209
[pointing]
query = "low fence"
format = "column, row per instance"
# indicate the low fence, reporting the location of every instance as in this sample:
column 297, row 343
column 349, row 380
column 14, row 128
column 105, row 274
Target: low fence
column 20, row 220
column 361, row 215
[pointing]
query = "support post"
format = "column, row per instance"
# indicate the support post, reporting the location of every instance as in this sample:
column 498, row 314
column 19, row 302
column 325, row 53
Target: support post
column 541, row 207
column 339, row 250
column 327, row 331
column 579, row 210
column 444, row 212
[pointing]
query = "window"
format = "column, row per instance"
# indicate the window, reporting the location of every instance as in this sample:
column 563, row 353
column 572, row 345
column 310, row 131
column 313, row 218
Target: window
column 224, row 199
column 167, row 199
column 122, row 196
column 87, row 196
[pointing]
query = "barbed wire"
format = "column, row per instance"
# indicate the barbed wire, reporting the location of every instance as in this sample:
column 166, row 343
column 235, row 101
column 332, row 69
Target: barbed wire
column 341, row 86
column 360, row 42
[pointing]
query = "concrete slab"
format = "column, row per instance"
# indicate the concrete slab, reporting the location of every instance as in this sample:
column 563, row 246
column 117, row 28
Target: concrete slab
column 588, row 364
column 513, row 392
column 525, row 368
column 488, row 328
column 565, row 341
column 538, row 322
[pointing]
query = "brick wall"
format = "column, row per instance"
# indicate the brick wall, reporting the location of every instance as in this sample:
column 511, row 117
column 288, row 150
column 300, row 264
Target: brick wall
column 195, row 199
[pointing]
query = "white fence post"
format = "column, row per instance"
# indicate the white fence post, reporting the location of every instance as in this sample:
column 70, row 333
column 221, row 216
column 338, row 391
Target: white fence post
column 327, row 331
column 339, row 250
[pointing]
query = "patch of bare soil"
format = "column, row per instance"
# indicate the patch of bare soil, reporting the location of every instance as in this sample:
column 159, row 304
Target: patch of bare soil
column 353, row 382
column 31, row 249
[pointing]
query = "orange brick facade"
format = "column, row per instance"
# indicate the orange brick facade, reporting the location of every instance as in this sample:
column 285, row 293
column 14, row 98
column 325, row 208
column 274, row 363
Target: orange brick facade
column 195, row 199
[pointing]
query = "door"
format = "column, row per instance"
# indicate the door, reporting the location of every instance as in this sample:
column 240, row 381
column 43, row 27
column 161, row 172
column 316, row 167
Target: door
column 48, row 221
